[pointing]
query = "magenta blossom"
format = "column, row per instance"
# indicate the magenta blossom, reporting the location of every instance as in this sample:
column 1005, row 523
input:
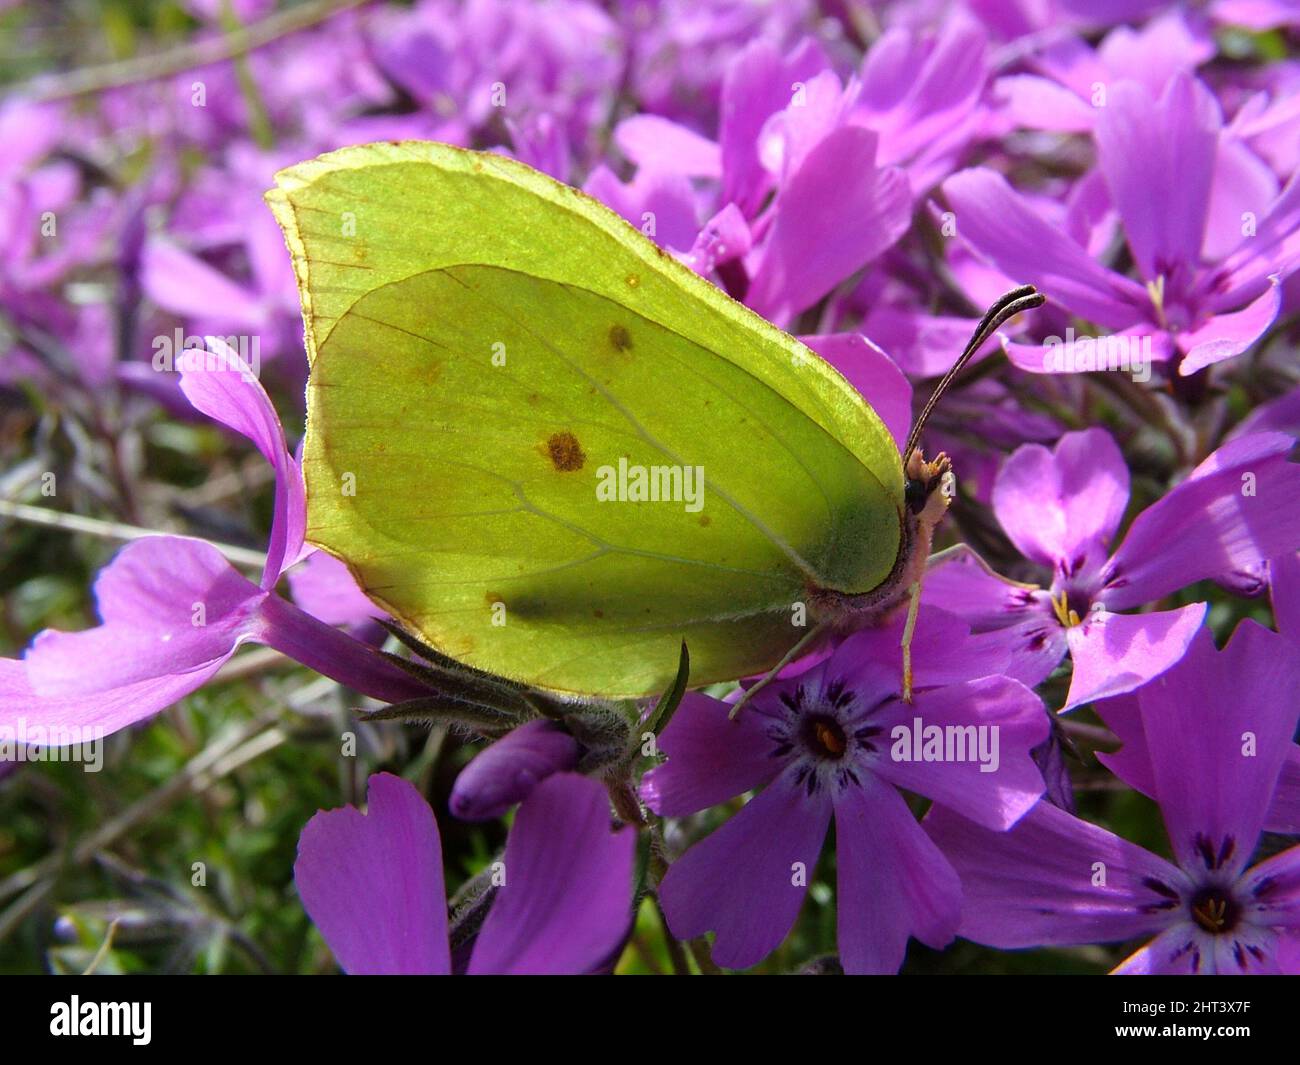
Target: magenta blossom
column 838, row 741
column 373, row 884
column 785, row 150
column 1218, row 727
column 173, row 611
column 1284, row 580
column 1071, row 80
column 794, row 138
column 1132, row 762
column 509, row 770
column 1062, row 509
column 1016, row 18
column 1158, row 158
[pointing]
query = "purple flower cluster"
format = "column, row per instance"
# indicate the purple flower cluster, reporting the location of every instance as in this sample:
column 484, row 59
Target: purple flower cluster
column 867, row 177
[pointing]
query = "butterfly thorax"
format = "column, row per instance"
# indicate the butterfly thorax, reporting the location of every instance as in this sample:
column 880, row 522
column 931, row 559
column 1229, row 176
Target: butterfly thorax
column 928, row 493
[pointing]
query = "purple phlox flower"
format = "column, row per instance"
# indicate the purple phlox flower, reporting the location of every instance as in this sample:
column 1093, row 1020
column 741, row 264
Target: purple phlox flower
column 681, row 50
column 309, row 84
column 173, row 610
column 201, row 106
column 1280, row 415
column 1284, row 582
column 873, row 373
column 1218, row 729
column 785, row 152
column 1268, row 120
column 808, row 247
column 540, row 141
column 50, row 223
column 327, row 85
column 1011, row 20
column 1132, row 763
column 233, row 396
column 657, row 143
column 227, row 274
column 323, row 587
column 1017, row 18
column 85, row 337
column 415, row 54
column 1004, row 426
column 495, row 60
column 1258, row 15
column 662, row 205
column 29, row 213
column 1284, row 585
column 922, row 93
column 838, row 741
column 918, row 90
column 509, row 770
column 373, row 884
column 921, row 344
column 28, row 132
column 917, row 93
column 54, row 229
column 1070, row 79
column 894, row 302
column 1062, row 509
column 758, row 84
column 1160, row 160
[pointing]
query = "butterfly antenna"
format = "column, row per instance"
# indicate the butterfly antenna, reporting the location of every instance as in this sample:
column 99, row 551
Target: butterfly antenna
column 1024, row 298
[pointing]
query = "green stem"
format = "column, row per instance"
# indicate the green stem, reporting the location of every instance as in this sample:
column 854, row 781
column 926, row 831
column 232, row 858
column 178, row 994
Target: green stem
column 676, row 952
column 259, row 120
column 186, row 57
column 699, row 949
column 112, row 530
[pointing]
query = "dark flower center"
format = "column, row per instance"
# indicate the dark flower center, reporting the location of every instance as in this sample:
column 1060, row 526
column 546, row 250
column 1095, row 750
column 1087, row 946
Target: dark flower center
column 824, row 736
column 1215, row 910
column 1070, row 605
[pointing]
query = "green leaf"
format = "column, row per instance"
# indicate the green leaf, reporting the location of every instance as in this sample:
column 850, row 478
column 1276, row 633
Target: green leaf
column 671, row 699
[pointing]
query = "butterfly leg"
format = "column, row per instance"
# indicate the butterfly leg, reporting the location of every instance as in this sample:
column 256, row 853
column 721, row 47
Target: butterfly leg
column 958, row 553
column 936, row 505
column 804, row 643
column 913, row 608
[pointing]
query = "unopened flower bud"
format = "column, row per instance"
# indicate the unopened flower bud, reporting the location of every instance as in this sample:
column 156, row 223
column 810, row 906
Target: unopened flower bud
column 507, row 772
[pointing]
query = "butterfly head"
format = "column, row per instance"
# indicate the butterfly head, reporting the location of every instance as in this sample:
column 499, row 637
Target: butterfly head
column 929, row 486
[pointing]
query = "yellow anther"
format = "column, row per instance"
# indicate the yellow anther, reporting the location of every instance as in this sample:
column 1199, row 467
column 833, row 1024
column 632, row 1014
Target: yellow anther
column 1065, row 614
column 1156, row 290
column 830, row 738
column 1212, row 914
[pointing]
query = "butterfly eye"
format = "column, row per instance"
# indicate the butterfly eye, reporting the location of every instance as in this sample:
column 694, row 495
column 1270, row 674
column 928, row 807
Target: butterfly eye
column 914, row 494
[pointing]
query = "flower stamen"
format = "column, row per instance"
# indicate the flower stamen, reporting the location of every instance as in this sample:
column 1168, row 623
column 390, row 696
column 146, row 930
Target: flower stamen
column 825, row 737
column 1215, row 911
column 1156, row 290
column 1065, row 614
column 831, row 739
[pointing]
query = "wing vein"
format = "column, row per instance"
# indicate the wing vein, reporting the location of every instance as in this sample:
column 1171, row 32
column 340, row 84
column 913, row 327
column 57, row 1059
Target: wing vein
column 800, row 562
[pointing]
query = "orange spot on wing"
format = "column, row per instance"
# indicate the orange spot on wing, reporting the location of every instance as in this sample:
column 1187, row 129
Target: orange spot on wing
column 565, row 452
column 619, row 338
